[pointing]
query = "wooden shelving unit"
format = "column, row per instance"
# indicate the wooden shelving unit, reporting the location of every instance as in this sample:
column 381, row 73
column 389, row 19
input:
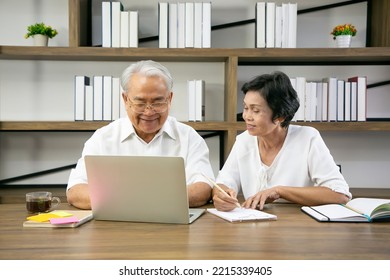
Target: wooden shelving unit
column 232, row 59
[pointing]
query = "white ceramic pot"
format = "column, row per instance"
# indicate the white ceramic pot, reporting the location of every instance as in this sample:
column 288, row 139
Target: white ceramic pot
column 40, row 40
column 343, row 41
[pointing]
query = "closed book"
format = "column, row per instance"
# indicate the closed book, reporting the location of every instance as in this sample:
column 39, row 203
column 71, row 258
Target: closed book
column 332, row 98
column 181, row 24
column 163, row 25
column 199, row 100
column 116, row 8
column 189, row 25
column 292, row 25
column 356, row 210
column 353, row 101
column 172, row 25
column 347, row 102
column 89, row 103
column 301, row 88
column 80, row 83
column 270, row 24
column 361, row 85
column 340, row 100
column 206, row 25
column 106, row 24
column 133, row 36
column 125, row 29
column 198, row 11
column 107, row 98
column 278, row 27
column 260, row 25
column 98, row 98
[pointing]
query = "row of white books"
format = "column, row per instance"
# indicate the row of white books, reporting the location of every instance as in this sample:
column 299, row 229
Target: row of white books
column 276, row 25
column 119, row 27
column 184, row 25
column 331, row 99
column 97, row 99
column 196, row 100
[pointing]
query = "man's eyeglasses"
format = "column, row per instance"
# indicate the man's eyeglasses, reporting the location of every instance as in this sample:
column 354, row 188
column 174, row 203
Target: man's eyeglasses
column 157, row 107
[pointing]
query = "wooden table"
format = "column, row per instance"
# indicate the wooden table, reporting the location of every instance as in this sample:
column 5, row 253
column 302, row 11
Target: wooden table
column 293, row 236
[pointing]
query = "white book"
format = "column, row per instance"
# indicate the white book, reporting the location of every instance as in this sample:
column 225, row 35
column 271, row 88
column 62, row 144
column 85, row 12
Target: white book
column 125, row 29
column 294, row 85
column 199, row 100
column 163, row 25
column 353, row 101
column 106, row 24
column 332, row 98
column 324, row 102
column 278, row 27
column 260, row 25
column 107, row 98
column 206, row 25
column 270, row 25
column 80, row 83
column 340, row 100
column 172, row 25
column 189, row 25
column 191, row 100
column 198, row 14
column 133, row 36
column 98, row 98
column 347, row 102
column 285, row 23
column 89, row 103
column 319, row 100
column 361, row 85
column 301, row 87
column 116, row 98
column 116, row 8
column 307, row 107
column 313, row 101
column 292, row 25
column 181, row 24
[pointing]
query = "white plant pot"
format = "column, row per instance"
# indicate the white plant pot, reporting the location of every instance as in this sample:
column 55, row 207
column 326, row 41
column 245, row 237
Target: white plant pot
column 40, row 40
column 343, row 41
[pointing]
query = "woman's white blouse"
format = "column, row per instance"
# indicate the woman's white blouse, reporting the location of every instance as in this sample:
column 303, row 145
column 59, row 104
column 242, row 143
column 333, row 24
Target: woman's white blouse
column 304, row 160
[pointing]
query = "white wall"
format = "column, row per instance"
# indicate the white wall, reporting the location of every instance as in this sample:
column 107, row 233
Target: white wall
column 46, row 87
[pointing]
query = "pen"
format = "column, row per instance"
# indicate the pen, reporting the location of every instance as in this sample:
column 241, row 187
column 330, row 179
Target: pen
column 219, row 188
column 357, row 211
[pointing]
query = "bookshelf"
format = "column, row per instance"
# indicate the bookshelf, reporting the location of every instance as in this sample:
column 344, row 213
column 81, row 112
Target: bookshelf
column 231, row 58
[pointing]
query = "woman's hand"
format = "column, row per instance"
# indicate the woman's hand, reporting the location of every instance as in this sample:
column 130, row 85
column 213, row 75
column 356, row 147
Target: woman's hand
column 261, row 198
column 225, row 202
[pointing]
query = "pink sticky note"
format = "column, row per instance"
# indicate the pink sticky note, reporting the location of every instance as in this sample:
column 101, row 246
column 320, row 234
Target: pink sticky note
column 66, row 220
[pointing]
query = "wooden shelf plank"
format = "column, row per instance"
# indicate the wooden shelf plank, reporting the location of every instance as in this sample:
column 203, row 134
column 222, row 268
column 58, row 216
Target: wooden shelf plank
column 297, row 56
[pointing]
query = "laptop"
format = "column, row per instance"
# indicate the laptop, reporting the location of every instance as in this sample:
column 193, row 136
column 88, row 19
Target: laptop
column 139, row 189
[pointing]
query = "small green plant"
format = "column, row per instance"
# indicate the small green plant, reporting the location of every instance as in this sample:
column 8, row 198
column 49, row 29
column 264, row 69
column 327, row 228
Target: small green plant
column 40, row 28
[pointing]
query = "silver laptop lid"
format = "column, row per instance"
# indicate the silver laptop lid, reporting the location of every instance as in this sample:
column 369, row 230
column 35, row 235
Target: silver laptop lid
column 138, row 188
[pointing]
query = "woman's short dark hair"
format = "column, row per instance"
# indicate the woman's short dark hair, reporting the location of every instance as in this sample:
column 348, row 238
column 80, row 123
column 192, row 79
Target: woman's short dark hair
column 277, row 90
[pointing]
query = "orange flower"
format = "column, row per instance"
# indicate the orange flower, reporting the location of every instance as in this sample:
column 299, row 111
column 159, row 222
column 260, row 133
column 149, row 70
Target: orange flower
column 344, row 29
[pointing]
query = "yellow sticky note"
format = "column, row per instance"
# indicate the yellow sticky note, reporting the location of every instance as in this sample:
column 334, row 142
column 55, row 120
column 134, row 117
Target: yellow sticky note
column 44, row 217
column 62, row 213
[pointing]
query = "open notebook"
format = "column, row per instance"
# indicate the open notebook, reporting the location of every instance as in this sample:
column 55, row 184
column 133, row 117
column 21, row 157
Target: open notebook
column 139, row 189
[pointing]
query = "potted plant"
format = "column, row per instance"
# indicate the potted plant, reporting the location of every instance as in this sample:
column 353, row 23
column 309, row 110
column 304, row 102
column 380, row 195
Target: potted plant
column 40, row 33
column 343, row 33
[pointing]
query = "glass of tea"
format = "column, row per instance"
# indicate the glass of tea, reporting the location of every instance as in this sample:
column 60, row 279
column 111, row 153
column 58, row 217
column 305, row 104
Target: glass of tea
column 41, row 202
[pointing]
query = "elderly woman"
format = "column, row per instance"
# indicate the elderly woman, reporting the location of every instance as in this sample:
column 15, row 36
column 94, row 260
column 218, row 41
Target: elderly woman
column 274, row 160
